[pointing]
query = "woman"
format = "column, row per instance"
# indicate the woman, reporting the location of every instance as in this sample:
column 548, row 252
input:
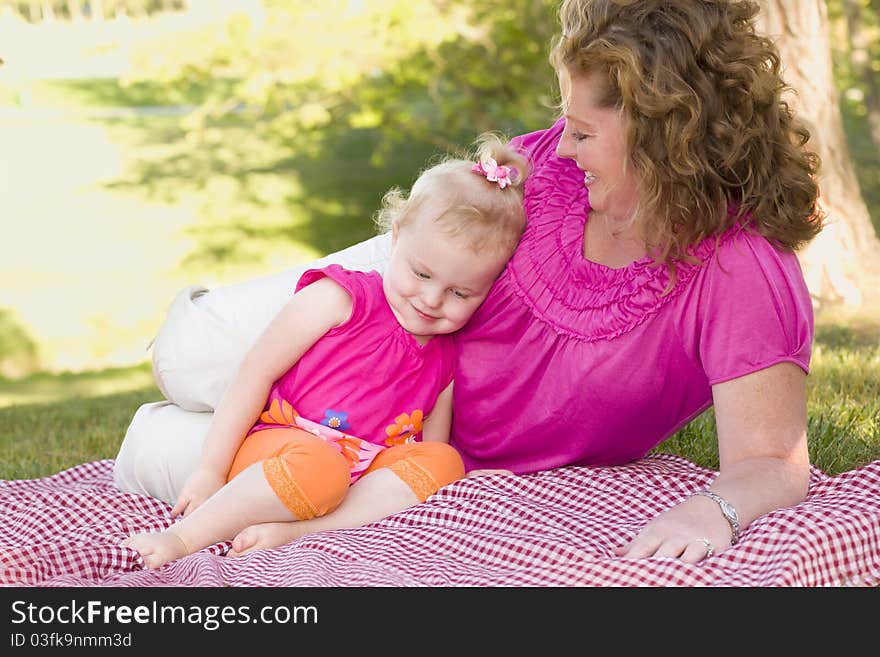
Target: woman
column 656, row 277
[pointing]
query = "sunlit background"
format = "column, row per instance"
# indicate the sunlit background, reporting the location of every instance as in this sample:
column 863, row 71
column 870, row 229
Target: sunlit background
column 149, row 145
column 146, row 145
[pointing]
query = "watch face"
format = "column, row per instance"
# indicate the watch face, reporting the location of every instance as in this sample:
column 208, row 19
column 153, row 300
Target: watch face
column 729, row 511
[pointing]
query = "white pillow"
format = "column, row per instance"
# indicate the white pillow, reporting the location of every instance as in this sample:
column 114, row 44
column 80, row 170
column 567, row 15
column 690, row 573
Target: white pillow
column 206, row 333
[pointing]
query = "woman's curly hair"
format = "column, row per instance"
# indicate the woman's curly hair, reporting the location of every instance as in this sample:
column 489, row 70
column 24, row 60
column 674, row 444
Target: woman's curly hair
column 709, row 135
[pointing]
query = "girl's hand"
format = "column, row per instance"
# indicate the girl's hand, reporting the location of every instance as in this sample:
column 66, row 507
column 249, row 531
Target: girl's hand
column 201, row 484
column 477, row 473
column 681, row 532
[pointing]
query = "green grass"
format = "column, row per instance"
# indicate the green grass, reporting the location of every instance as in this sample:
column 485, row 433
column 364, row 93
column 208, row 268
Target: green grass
column 39, row 439
column 82, row 421
column 44, row 387
column 50, row 422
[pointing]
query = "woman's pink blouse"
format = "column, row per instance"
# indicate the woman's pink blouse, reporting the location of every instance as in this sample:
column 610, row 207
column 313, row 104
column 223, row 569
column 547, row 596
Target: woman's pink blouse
column 571, row 362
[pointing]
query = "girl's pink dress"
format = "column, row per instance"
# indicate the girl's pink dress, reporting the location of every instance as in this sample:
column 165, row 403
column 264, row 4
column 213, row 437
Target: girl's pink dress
column 571, row 362
column 367, row 384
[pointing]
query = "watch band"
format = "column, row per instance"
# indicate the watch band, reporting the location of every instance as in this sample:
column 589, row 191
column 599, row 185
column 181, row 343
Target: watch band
column 729, row 512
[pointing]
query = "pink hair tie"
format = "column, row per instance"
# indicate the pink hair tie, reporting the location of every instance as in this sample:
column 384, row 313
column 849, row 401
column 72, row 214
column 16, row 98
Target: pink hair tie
column 502, row 175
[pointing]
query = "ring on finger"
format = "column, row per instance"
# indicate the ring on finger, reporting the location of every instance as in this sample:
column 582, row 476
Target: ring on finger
column 710, row 549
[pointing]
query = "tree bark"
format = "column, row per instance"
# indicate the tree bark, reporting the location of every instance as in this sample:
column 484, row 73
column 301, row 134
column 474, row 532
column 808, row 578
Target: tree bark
column 842, row 265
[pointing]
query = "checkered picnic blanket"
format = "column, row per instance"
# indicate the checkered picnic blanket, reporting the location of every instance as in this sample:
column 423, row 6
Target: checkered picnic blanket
column 554, row 528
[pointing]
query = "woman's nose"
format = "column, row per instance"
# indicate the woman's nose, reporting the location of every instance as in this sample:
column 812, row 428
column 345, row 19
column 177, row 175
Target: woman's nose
column 565, row 146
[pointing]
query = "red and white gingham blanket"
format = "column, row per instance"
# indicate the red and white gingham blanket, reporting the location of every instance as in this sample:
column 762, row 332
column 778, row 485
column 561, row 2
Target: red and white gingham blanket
column 553, row 528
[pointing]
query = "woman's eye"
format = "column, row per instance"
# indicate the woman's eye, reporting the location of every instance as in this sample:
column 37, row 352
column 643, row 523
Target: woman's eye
column 578, row 136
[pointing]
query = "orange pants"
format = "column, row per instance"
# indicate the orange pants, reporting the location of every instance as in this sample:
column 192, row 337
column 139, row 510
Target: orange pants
column 311, row 478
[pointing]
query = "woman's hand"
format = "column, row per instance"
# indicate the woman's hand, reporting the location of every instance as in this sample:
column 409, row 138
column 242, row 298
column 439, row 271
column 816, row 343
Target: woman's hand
column 201, row 484
column 682, row 532
column 764, row 465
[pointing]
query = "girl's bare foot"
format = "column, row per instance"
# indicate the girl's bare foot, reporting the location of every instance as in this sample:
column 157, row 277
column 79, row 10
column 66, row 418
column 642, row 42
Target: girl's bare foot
column 263, row 536
column 157, row 548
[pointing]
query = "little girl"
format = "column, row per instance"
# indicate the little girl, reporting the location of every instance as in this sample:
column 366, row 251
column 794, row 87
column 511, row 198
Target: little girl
column 352, row 381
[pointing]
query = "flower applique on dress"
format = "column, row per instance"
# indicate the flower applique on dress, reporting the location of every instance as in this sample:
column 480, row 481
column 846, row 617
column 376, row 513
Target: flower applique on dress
column 405, row 428
column 352, row 449
column 359, row 453
column 336, row 420
column 280, row 412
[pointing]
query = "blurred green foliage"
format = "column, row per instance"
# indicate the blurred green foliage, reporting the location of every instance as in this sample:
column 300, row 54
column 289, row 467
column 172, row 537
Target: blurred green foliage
column 40, row 10
column 436, row 71
column 432, row 74
column 18, row 351
column 854, row 92
column 309, row 111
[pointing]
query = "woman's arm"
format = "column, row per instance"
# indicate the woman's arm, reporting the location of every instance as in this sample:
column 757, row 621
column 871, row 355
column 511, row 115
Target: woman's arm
column 764, row 464
column 311, row 312
column 762, row 441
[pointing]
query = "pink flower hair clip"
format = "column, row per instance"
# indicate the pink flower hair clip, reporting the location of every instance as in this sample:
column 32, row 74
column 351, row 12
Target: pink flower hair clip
column 503, row 175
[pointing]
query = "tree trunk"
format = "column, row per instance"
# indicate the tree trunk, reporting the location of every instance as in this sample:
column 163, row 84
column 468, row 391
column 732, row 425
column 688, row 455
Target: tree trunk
column 842, row 265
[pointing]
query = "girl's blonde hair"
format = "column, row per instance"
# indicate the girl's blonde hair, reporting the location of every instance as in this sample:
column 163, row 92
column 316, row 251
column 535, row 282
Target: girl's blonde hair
column 463, row 202
column 708, row 133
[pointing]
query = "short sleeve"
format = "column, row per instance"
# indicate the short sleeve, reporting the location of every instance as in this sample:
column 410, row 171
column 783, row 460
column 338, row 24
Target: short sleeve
column 755, row 309
column 365, row 289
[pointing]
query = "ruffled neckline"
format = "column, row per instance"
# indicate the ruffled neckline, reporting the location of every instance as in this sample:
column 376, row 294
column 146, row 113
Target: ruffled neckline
column 579, row 298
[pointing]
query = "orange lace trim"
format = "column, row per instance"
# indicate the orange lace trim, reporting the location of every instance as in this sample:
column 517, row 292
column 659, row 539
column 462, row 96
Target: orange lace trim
column 287, row 490
column 416, row 477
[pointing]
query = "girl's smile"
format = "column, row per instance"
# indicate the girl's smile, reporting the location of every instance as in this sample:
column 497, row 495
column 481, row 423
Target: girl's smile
column 435, row 282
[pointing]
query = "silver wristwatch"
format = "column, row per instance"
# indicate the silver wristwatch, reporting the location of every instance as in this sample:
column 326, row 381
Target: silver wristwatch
column 727, row 510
